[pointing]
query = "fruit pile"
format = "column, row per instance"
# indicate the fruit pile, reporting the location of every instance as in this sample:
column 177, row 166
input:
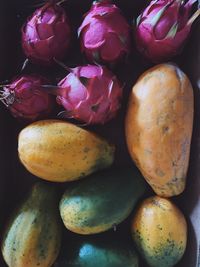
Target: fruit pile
column 84, row 195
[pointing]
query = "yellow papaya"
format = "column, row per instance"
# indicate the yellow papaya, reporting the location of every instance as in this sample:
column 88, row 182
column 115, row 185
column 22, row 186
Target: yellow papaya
column 159, row 125
column 59, row 151
column 159, row 230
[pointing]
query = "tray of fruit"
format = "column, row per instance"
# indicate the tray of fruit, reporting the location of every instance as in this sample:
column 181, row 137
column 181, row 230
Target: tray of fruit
column 100, row 138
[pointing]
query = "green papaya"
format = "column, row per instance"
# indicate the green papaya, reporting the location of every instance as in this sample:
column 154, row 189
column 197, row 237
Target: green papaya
column 98, row 252
column 101, row 201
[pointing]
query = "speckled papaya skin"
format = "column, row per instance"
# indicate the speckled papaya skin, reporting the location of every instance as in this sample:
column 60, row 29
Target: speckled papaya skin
column 159, row 230
column 58, row 151
column 33, row 235
column 101, row 201
column 159, row 125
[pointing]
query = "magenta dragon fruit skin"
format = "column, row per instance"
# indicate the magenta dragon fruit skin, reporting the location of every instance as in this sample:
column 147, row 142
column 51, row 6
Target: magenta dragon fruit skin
column 26, row 99
column 91, row 94
column 163, row 28
column 46, row 35
column 104, row 33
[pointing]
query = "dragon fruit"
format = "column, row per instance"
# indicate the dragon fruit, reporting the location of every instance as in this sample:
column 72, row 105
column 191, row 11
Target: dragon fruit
column 47, row 34
column 163, row 28
column 26, row 99
column 104, row 33
column 90, row 94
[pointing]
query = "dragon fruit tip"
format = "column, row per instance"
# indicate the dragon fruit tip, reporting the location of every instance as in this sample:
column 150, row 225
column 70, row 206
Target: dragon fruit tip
column 102, row 1
column 194, row 17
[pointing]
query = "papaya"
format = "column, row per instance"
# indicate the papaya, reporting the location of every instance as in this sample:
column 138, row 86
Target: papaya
column 59, row 151
column 101, row 201
column 98, row 252
column 159, row 124
column 159, row 230
column 33, row 235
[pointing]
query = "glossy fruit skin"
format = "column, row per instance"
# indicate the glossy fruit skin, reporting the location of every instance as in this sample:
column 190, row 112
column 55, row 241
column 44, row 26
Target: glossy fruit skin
column 101, row 201
column 104, row 34
column 159, row 230
column 46, row 35
column 106, row 252
column 91, row 94
column 33, row 235
column 159, row 126
column 58, row 151
column 26, row 99
column 163, row 28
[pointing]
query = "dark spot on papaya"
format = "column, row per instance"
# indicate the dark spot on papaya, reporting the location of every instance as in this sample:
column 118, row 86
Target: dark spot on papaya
column 165, row 129
column 138, row 136
column 159, row 172
column 102, row 147
column 175, row 180
column 82, row 175
column 86, row 149
column 174, row 163
column 159, row 227
column 156, row 203
column 42, row 252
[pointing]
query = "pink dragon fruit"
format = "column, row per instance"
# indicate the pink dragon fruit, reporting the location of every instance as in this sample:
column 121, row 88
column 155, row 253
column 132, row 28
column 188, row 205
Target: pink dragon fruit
column 163, row 28
column 90, row 94
column 47, row 34
column 26, row 99
column 104, row 33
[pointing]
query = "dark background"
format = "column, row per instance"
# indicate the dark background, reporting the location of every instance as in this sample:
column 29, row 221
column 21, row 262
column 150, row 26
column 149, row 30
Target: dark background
column 15, row 181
